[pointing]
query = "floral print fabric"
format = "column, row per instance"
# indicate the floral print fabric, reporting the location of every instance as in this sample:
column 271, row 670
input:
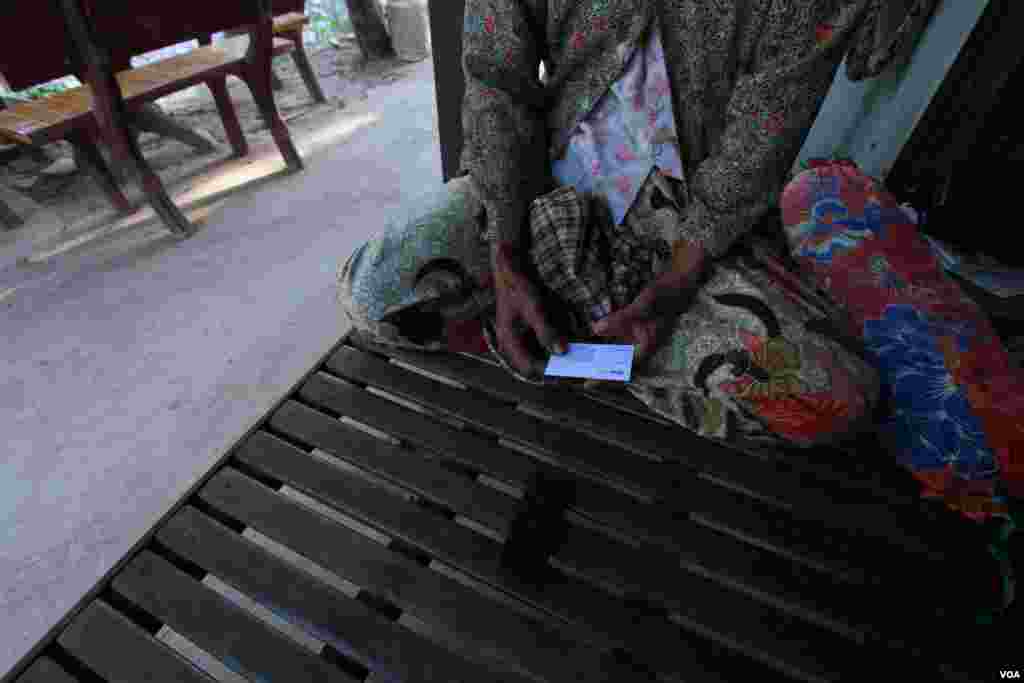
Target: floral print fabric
column 630, row 131
column 758, row 359
column 956, row 413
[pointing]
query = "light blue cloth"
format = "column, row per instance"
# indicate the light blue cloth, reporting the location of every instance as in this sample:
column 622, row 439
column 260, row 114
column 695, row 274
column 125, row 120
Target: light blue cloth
column 629, row 131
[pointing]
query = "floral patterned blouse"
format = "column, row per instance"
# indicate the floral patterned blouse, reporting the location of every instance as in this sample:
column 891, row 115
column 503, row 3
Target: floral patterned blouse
column 630, row 131
column 747, row 78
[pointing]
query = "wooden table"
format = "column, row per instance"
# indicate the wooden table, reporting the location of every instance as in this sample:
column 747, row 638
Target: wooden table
column 369, row 514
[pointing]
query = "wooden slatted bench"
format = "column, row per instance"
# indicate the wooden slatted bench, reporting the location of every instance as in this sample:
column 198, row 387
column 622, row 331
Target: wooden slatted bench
column 362, row 531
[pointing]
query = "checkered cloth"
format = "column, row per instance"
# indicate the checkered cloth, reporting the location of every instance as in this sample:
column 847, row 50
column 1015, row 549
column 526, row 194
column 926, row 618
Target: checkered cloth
column 592, row 264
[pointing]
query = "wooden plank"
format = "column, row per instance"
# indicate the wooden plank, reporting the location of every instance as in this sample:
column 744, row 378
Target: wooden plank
column 471, row 450
column 111, row 645
column 141, row 82
column 479, row 557
column 480, row 624
column 495, row 381
column 572, row 450
column 410, row 469
column 289, row 21
column 376, row 641
column 45, row 670
column 216, row 625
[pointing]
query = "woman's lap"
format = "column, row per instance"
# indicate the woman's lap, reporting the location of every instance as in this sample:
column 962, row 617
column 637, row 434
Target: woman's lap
column 743, row 364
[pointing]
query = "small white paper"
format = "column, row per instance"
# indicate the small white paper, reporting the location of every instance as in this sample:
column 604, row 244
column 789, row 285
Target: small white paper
column 612, row 362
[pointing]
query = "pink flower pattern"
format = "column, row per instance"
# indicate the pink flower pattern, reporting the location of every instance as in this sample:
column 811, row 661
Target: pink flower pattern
column 612, row 151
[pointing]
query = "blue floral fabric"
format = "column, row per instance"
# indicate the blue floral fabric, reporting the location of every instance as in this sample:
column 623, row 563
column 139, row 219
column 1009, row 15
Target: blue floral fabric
column 932, row 422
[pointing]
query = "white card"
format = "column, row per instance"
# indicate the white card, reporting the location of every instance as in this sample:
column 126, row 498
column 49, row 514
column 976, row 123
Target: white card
column 593, row 361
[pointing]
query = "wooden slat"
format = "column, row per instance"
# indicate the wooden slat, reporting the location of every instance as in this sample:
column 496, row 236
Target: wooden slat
column 664, row 440
column 480, row 557
column 45, row 670
column 701, row 547
column 720, row 560
column 141, row 81
column 480, row 624
column 601, row 504
column 572, row 450
column 218, row 626
column 474, row 451
column 669, row 442
column 289, row 21
column 111, row 645
column 423, row 477
column 25, row 120
column 358, row 366
column 486, row 414
column 379, row 643
column 365, row 563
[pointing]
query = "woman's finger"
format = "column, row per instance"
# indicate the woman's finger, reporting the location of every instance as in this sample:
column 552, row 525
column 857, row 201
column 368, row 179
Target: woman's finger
column 538, row 322
column 511, row 342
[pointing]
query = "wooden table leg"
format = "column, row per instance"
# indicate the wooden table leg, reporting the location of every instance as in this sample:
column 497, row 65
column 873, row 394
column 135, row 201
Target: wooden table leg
column 91, row 160
column 152, row 119
column 304, row 66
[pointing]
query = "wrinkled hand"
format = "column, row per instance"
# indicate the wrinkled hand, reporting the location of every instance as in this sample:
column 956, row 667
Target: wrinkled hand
column 649, row 320
column 519, row 313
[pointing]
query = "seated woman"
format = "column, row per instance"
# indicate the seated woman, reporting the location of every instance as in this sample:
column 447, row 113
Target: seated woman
column 615, row 201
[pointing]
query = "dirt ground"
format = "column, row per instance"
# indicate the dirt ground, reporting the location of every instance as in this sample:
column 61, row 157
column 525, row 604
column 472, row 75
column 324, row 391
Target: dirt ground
column 77, row 200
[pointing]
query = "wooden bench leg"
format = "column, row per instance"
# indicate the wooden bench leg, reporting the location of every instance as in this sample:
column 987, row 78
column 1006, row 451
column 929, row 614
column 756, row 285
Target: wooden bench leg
column 128, row 155
column 88, row 156
column 151, row 118
column 304, row 66
column 228, row 115
column 258, row 81
column 8, row 219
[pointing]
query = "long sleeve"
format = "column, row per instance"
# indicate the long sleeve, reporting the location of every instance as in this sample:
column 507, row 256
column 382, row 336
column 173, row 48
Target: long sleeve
column 505, row 145
column 887, row 36
column 771, row 110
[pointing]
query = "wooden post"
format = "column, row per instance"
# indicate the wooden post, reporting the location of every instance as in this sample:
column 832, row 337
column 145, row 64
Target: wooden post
column 304, row 66
column 257, row 76
column 449, row 82
column 371, row 30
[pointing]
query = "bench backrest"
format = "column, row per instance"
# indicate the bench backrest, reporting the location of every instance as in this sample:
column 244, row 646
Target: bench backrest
column 131, row 27
column 34, row 47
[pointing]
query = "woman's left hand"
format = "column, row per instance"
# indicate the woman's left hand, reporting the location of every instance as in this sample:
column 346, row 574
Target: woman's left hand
column 649, row 320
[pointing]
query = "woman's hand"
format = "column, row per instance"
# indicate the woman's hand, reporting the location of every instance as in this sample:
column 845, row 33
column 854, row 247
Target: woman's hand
column 649, row 320
column 519, row 312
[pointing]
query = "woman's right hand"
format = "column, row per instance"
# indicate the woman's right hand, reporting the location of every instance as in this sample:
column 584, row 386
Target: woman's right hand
column 519, row 313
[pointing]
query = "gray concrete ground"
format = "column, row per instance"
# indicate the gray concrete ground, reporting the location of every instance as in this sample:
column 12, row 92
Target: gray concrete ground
column 132, row 362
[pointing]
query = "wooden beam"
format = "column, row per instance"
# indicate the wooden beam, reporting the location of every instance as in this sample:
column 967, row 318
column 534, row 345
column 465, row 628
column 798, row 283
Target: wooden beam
column 446, row 32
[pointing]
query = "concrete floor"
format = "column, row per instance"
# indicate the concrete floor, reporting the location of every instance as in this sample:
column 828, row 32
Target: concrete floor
column 130, row 364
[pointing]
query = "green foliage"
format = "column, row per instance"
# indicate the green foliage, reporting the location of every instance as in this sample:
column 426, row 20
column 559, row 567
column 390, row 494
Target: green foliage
column 328, row 18
column 37, row 92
